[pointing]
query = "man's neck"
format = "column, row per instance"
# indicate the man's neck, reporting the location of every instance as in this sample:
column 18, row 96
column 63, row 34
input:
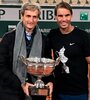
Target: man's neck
column 67, row 30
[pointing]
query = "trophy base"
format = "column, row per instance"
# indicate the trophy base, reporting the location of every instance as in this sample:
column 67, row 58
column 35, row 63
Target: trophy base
column 39, row 91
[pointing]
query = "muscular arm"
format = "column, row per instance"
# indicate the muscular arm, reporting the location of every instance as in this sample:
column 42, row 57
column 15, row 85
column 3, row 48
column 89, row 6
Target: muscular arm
column 88, row 59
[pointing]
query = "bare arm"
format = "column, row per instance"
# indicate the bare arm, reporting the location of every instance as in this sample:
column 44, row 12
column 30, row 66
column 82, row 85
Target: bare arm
column 88, row 59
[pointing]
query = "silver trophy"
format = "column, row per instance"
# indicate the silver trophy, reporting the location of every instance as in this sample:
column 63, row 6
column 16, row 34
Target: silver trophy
column 39, row 67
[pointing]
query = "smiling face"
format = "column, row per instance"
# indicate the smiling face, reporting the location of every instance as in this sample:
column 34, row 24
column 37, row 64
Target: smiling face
column 30, row 19
column 63, row 18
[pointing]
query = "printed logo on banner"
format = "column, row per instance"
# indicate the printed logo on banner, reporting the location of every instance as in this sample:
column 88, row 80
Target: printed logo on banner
column 84, row 15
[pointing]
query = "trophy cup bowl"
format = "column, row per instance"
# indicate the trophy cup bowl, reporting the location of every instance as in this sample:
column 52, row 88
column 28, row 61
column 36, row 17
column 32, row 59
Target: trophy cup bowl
column 39, row 67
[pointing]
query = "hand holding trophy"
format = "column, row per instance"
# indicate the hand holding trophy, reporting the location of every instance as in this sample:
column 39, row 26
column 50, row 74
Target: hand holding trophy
column 39, row 67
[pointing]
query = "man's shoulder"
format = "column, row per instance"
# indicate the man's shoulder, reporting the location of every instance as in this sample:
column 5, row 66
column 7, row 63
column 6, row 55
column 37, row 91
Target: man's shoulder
column 53, row 32
column 9, row 36
column 81, row 32
column 11, row 32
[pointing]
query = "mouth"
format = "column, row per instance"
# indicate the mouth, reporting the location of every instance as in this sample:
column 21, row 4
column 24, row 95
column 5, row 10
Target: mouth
column 63, row 23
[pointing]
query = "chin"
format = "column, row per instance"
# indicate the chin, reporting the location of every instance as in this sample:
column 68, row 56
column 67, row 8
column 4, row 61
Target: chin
column 64, row 27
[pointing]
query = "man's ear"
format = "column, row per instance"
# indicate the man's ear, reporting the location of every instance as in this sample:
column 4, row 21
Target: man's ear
column 55, row 17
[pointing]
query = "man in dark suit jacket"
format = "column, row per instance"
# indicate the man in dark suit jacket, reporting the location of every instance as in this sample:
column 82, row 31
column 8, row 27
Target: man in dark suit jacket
column 25, row 40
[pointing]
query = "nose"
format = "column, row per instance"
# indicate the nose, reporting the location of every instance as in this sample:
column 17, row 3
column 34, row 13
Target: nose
column 64, row 18
column 31, row 19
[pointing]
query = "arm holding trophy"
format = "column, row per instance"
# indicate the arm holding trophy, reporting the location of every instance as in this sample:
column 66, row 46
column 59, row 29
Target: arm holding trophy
column 39, row 67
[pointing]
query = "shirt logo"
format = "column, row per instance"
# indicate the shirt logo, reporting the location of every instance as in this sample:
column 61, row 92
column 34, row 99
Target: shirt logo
column 71, row 43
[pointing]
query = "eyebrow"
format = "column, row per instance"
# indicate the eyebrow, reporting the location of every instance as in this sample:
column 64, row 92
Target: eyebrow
column 63, row 15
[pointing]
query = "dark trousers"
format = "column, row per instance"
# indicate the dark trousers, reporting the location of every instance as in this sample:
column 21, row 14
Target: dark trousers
column 72, row 97
column 35, row 98
column 11, row 97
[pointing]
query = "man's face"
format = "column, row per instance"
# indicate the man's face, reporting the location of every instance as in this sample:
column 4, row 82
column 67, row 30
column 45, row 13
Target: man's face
column 30, row 19
column 63, row 18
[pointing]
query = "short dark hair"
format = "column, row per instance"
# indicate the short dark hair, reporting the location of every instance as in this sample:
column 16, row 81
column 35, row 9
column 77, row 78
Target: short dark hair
column 63, row 5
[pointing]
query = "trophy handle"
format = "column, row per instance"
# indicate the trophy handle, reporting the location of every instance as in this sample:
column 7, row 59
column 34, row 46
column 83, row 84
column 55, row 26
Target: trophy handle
column 58, row 58
column 57, row 61
column 23, row 59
